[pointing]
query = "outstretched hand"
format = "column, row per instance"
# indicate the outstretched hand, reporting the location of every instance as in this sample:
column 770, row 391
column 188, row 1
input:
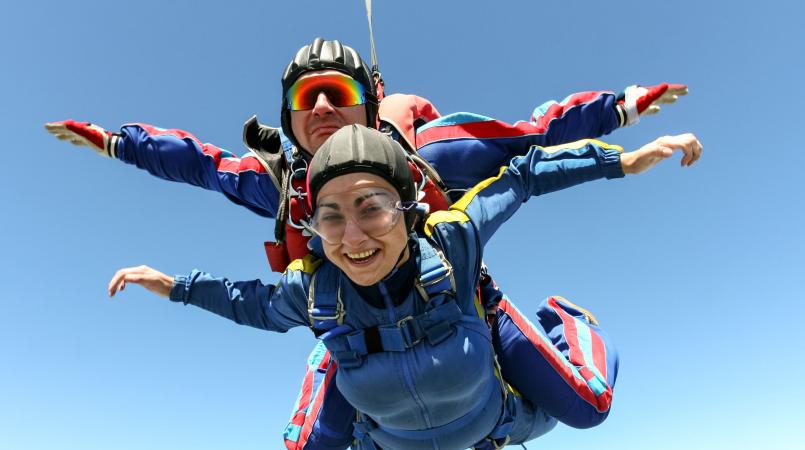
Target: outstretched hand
column 651, row 154
column 84, row 134
column 151, row 279
column 642, row 101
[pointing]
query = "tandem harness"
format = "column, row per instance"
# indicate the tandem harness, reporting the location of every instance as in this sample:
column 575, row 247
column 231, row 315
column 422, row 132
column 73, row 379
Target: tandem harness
column 436, row 284
column 349, row 348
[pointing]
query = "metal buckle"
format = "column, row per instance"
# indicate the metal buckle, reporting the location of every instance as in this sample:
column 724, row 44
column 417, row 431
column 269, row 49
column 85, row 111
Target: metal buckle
column 449, row 273
column 404, row 321
column 339, row 314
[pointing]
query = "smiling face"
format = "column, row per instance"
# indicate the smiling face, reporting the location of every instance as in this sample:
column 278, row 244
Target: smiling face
column 312, row 127
column 363, row 258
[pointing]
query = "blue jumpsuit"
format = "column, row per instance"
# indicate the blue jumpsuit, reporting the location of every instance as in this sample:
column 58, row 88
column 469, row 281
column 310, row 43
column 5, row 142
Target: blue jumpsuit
column 464, row 148
column 419, row 396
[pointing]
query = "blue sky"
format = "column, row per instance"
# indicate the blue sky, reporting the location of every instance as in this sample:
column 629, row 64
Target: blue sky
column 696, row 273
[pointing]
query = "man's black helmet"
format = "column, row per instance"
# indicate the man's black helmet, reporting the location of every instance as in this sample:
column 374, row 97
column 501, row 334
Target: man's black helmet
column 354, row 149
column 328, row 55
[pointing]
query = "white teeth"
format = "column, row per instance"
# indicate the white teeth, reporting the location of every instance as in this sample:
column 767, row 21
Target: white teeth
column 361, row 255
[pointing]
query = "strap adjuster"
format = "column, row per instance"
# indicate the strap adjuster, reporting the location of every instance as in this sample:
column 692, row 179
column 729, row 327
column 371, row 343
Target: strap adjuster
column 433, row 283
column 409, row 331
column 321, row 314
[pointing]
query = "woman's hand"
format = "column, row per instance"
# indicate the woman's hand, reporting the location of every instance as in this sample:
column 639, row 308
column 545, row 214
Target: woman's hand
column 153, row 280
column 651, row 154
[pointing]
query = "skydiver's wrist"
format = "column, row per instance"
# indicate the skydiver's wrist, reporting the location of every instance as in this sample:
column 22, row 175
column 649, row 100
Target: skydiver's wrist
column 112, row 145
column 611, row 163
column 621, row 113
column 180, row 289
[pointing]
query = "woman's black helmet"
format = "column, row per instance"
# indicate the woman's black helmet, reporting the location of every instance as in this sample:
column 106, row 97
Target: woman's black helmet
column 356, row 148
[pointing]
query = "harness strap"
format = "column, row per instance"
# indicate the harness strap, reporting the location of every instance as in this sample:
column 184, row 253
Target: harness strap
column 434, row 326
column 325, row 307
column 435, row 272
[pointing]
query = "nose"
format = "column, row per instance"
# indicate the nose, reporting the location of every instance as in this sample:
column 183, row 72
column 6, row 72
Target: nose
column 353, row 235
column 323, row 105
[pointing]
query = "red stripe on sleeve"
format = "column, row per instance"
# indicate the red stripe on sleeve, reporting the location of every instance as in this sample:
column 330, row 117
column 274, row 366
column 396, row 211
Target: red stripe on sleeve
column 579, row 386
column 313, row 413
column 231, row 164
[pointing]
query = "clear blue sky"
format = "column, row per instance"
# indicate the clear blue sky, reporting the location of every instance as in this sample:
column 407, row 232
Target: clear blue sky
column 697, row 273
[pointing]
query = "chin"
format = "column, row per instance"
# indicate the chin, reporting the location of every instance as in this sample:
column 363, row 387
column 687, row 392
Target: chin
column 363, row 277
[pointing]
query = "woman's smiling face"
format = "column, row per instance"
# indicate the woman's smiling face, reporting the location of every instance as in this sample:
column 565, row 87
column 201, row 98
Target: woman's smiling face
column 365, row 259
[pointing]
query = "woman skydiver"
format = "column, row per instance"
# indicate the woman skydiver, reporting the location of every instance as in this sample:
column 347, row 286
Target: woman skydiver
column 404, row 327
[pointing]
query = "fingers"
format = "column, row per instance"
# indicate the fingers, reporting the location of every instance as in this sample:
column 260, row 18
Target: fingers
column 61, row 130
column 661, row 94
column 666, row 98
column 687, row 143
column 651, row 110
column 122, row 276
column 117, row 282
column 677, row 89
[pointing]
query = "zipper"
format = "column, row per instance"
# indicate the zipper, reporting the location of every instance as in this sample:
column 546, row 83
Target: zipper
column 405, row 365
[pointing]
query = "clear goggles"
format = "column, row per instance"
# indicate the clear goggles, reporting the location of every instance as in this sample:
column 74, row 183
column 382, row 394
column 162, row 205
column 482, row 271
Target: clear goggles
column 373, row 211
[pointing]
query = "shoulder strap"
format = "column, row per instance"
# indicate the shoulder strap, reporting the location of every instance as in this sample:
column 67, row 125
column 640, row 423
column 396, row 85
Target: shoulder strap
column 324, row 305
column 435, row 272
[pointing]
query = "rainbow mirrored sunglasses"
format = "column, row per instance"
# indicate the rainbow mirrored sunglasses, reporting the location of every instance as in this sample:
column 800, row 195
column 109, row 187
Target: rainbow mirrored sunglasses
column 341, row 90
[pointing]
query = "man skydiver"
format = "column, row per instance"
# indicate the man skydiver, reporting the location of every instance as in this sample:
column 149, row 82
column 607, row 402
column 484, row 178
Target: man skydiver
column 327, row 86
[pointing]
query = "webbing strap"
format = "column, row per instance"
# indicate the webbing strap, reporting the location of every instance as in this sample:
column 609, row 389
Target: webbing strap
column 433, row 325
column 435, row 272
column 325, row 308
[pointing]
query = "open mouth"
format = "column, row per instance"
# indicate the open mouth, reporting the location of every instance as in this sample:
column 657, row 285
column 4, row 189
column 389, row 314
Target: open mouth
column 362, row 258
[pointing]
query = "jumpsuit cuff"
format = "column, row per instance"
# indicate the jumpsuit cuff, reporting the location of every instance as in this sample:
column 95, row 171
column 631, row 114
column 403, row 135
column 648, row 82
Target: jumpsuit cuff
column 180, row 291
column 611, row 162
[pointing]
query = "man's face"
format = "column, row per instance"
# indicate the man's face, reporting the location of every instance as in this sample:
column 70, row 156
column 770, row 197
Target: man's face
column 313, row 126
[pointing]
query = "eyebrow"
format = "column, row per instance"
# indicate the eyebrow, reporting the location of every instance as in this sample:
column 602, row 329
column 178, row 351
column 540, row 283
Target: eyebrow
column 360, row 200
column 357, row 201
column 335, row 206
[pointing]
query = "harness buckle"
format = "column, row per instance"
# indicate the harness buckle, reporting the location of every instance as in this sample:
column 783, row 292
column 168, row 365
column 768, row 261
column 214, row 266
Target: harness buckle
column 323, row 314
column 409, row 332
column 422, row 287
column 347, row 359
column 438, row 332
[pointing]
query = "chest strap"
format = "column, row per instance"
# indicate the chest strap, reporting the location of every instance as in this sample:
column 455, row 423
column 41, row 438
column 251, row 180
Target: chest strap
column 434, row 326
column 435, row 284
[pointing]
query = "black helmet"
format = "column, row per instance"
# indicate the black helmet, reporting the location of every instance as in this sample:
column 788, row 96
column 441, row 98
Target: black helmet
column 356, row 148
column 324, row 55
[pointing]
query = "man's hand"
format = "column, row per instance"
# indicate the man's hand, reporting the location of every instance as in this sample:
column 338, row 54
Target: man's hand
column 153, row 280
column 651, row 154
column 636, row 101
column 85, row 134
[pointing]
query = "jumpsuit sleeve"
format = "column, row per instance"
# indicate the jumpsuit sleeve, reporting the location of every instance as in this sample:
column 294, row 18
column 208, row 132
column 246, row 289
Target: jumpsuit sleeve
column 565, row 349
column 277, row 307
column 177, row 155
column 466, row 148
column 540, row 171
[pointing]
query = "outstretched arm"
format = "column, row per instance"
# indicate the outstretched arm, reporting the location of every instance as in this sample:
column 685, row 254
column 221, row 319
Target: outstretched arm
column 176, row 155
column 466, row 148
column 268, row 307
column 542, row 170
